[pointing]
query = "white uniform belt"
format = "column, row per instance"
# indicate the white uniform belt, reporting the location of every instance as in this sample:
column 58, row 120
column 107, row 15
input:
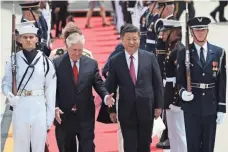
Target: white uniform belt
column 203, row 85
column 130, row 9
column 150, row 41
column 32, row 93
column 143, row 33
column 169, row 79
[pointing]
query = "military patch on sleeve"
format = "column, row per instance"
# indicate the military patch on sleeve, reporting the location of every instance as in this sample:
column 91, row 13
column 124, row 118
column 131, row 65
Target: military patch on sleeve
column 54, row 75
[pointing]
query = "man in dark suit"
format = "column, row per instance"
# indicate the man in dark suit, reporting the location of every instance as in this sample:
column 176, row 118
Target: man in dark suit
column 75, row 109
column 205, row 104
column 136, row 73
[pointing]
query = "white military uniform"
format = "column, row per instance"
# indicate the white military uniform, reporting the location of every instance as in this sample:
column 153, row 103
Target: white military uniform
column 119, row 15
column 136, row 13
column 34, row 107
column 47, row 16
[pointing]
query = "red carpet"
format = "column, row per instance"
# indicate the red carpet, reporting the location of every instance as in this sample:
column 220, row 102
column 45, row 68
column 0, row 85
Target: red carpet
column 101, row 41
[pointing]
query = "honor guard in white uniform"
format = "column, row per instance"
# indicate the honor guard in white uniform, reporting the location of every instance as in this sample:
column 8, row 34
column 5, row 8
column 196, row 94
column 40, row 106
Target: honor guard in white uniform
column 34, row 103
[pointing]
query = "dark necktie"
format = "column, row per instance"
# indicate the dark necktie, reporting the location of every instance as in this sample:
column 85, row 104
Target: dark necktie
column 75, row 71
column 202, row 59
column 132, row 70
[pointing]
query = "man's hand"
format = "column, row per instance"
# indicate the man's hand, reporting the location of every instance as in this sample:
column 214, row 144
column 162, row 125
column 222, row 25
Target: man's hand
column 57, row 9
column 187, row 96
column 13, row 100
column 157, row 113
column 220, row 117
column 58, row 112
column 109, row 101
column 113, row 117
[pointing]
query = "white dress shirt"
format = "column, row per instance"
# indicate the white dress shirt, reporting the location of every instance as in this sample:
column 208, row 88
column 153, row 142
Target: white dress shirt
column 204, row 50
column 135, row 61
column 77, row 63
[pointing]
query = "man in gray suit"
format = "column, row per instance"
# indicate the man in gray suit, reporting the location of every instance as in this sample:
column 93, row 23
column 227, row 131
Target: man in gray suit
column 75, row 109
column 137, row 74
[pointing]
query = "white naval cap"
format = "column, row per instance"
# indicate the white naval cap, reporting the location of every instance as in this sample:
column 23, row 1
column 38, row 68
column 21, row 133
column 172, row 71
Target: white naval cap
column 171, row 23
column 26, row 28
column 168, row 24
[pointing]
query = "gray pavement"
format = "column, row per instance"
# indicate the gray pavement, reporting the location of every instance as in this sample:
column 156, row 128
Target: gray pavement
column 217, row 35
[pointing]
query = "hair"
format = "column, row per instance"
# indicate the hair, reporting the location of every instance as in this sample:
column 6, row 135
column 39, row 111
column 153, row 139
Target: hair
column 75, row 38
column 69, row 29
column 129, row 28
column 123, row 26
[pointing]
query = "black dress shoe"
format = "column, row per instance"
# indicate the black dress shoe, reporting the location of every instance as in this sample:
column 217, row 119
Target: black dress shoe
column 163, row 145
column 213, row 15
column 223, row 20
column 88, row 26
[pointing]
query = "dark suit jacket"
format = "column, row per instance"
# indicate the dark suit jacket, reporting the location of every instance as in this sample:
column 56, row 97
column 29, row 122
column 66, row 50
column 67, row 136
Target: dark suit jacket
column 69, row 93
column 119, row 48
column 136, row 102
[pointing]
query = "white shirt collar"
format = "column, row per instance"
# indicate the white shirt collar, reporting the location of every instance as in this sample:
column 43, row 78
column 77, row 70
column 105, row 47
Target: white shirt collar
column 198, row 47
column 135, row 55
column 72, row 62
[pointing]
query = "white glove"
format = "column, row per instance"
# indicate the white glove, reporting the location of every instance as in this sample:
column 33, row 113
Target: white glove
column 13, row 100
column 174, row 108
column 187, row 96
column 164, row 82
column 220, row 117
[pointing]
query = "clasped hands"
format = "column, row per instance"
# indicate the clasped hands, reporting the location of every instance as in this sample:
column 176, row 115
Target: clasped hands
column 109, row 100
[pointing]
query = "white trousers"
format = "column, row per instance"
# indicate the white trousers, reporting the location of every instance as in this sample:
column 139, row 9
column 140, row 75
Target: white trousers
column 120, row 138
column 119, row 15
column 135, row 16
column 176, row 133
column 119, row 132
column 29, row 124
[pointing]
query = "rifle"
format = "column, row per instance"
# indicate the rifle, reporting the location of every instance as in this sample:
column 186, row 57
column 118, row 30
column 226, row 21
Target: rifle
column 13, row 54
column 187, row 54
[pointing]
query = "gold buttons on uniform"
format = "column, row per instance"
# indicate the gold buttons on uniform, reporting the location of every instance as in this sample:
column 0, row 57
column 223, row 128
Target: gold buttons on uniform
column 203, row 74
column 203, row 94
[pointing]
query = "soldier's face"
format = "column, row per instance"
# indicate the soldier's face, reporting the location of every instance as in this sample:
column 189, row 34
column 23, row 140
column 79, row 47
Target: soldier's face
column 75, row 51
column 165, row 34
column 131, row 41
column 28, row 15
column 28, row 41
column 200, row 35
column 169, row 9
